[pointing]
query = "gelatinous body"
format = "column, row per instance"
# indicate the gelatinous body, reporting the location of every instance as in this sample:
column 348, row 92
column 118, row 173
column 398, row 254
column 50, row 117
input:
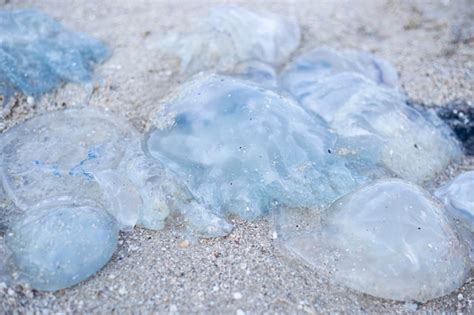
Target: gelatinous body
column 374, row 116
column 230, row 35
column 240, row 148
column 458, row 196
column 55, row 158
column 389, row 239
column 37, row 53
column 66, row 173
column 54, row 248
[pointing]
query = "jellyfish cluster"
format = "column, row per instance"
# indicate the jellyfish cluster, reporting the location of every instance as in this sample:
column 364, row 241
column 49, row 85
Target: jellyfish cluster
column 77, row 177
column 323, row 140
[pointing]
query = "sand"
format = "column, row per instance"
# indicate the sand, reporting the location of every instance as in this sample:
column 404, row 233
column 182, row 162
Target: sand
column 430, row 43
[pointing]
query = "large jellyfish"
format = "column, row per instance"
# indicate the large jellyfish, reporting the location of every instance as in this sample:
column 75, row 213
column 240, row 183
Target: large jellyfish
column 389, row 239
column 37, row 54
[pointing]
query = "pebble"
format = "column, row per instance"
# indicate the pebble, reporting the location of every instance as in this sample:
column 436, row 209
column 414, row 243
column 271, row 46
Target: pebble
column 30, row 100
column 237, row 295
column 173, row 308
column 122, row 291
column 184, row 244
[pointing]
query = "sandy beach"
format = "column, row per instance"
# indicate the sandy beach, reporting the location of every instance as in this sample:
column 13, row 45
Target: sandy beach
column 430, row 43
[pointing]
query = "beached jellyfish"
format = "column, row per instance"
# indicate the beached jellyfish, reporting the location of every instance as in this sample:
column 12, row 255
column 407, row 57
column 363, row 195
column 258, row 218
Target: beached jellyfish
column 37, row 53
column 56, row 247
column 374, row 116
column 240, row 148
column 389, row 239
column 68, row 157
column 408, row 139
column 458, row 198
column 230, row 35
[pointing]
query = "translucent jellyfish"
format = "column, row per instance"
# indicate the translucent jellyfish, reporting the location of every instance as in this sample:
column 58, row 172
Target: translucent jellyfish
column 69, row 157
column 408, row 139
column 37, row 53
column 55, row 248
column 242, row 149
column 458, row 198
column 303, row 73
column 373, row 116
column 389, row 239
column 230, row 35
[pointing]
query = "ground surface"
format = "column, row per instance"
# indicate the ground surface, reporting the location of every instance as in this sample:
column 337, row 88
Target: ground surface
column 430, row 43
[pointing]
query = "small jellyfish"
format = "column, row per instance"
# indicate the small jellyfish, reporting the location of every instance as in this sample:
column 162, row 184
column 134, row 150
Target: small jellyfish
column 55, row 248
column 372, row 116
column 230, row 35
column 408, row 139
column 458, row 198
column 389, row 239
